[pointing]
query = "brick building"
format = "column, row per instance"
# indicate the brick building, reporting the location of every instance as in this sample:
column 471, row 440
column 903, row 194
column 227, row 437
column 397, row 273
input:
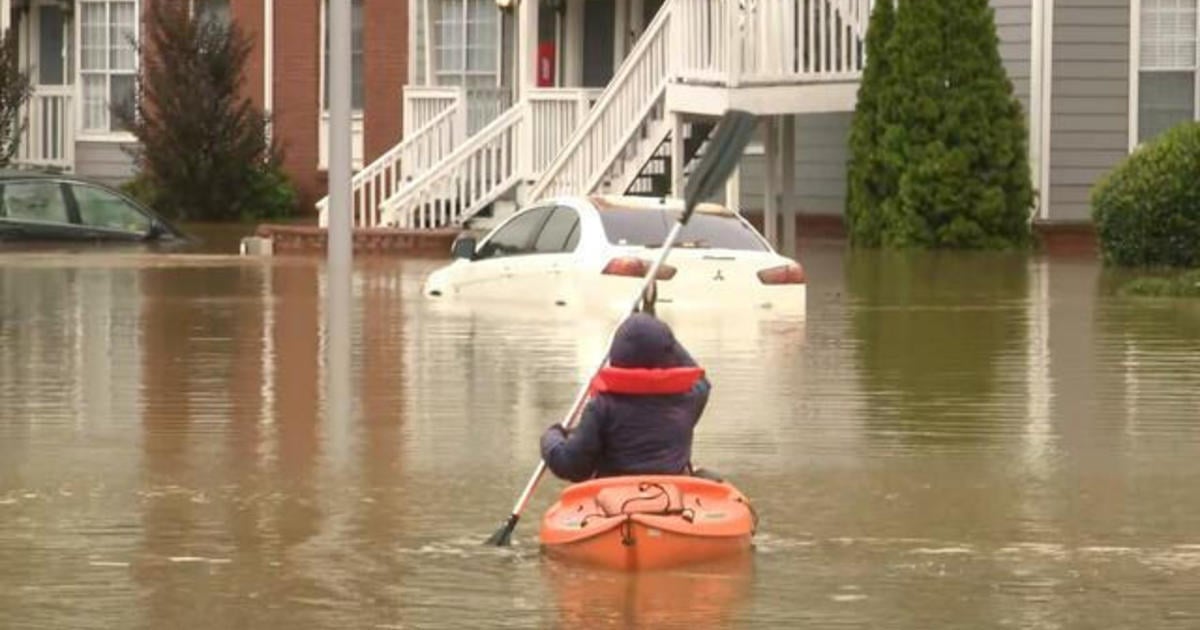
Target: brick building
column 80, row 64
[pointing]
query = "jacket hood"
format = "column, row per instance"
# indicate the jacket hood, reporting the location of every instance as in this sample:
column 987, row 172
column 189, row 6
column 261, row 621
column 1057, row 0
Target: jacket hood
column 643, row 341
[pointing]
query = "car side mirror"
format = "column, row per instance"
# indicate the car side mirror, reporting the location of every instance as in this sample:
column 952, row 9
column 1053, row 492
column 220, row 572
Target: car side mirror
column 157, row 230
column 463, row 247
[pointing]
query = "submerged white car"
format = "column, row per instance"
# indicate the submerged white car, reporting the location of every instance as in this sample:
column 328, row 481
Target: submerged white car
column 594, row 252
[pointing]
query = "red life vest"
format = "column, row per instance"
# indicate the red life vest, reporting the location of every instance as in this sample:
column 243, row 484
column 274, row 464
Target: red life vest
column 646, row 381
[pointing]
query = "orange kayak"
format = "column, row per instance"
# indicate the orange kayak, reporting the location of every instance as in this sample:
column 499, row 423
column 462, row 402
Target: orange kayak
column 648, row 522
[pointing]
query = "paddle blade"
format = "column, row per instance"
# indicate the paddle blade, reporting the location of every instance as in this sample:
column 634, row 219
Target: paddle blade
column 724, row 152
column 503, row 536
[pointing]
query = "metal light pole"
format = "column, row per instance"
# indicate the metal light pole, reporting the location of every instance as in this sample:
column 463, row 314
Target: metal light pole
column 339, row 249
column 338, row 76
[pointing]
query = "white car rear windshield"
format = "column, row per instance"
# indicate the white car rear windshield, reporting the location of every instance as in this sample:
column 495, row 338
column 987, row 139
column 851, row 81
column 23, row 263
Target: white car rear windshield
column 649, row 228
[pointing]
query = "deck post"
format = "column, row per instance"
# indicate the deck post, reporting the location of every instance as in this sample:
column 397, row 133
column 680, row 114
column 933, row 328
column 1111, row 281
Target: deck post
column 573, row 44
column 527, row 42
column 677, row 154
column 771, row 194
column 527, row 35
column 790, row 207
column 621, row 32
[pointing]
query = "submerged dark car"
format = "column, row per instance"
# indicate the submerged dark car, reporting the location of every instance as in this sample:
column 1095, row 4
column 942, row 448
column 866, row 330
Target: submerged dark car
column 46, row 207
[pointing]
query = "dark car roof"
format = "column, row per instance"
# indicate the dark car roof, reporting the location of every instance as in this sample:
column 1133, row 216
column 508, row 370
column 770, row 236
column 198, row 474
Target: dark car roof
column 7, row 174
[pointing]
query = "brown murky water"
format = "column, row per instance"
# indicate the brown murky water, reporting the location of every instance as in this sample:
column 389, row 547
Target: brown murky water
column 945, row 441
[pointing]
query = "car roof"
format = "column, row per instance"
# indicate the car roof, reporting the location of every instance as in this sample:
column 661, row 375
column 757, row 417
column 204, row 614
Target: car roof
column 9, row 174
column 637, row 202
column 16, row 173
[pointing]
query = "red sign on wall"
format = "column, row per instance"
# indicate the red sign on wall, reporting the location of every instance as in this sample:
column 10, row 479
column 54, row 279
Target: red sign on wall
column 545, row 64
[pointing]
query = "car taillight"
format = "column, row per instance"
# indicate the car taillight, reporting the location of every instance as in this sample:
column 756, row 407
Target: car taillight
column 786, row 274
column 636, row 267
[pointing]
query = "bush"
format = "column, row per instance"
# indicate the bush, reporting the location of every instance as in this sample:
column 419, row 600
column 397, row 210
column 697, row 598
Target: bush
column 15, row 90
column 944, row 143
column 1147, row 209
column 1182, row 285
column 204, row 151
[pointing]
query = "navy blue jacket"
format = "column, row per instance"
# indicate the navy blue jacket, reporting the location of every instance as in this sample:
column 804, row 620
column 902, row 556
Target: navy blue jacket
column 624, row 434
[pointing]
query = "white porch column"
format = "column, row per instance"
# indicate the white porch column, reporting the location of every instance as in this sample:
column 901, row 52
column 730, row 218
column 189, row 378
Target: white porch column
column 268, row 58
column 733, row 190
column 771, row 196
column 573, row 44
column 620, row 33
column 5, row 14
column 527, row 40
column 790, row 208
column 677, row 182
column 637, row 19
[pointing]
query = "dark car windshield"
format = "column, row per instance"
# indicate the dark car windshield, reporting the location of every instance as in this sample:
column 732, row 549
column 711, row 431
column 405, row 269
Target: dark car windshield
column 649, row 228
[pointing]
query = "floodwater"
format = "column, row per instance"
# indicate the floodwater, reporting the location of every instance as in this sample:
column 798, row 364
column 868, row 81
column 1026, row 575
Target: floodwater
column 946, row 440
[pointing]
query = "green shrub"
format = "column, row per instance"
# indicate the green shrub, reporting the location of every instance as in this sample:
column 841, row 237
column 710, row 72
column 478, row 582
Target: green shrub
column 1147, row 209
column 1181, row 285
column 141, row 189
column 275, row 196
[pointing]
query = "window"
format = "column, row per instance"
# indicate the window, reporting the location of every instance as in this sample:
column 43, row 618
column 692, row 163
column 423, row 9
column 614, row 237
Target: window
column 55, row 45
column 466, row 42
column 35, row 201
column 102, row 209
column 1167, row 90
column 356, row 55
column 555, row 236
column 649, row 228
column 516, row 236
column 108, row 59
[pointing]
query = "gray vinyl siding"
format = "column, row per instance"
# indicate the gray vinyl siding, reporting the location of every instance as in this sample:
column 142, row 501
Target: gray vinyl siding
column 1014, row 26
column 821, row 154
column 103, row 161
column 1089, row 101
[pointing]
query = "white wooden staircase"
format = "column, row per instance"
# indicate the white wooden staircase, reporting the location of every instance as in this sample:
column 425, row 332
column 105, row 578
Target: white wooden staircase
column 695, row 58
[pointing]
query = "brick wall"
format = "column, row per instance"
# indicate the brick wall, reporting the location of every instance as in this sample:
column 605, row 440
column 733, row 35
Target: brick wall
column 385, row 69
column 248, row 14
column 296, row 83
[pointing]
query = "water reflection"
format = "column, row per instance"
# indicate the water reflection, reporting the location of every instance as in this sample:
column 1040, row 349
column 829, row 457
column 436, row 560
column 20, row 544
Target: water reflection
column 705, row 596
column 933, row 330
column 954, row 441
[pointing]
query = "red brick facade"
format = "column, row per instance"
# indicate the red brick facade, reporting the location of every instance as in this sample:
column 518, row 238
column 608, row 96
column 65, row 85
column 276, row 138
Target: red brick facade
column 385, row 69
column 296, row 80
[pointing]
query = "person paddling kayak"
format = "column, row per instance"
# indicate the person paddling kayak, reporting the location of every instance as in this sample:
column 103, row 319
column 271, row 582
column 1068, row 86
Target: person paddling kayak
column 644, row 407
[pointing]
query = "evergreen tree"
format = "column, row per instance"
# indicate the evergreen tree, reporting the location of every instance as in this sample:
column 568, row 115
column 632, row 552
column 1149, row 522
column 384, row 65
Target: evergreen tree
column 15, row 90
column 203, row 151
column 868, row 181
column 953, row 138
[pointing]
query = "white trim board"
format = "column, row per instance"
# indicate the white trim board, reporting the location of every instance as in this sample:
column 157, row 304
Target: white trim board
column 763, row 101
column 1135, row 66
column 1042, row 93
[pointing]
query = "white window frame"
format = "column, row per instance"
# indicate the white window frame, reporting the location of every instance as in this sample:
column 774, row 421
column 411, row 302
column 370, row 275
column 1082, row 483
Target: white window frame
column 92, row 135
column 356, row 115
column 435, row 73
column 1135, row 72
